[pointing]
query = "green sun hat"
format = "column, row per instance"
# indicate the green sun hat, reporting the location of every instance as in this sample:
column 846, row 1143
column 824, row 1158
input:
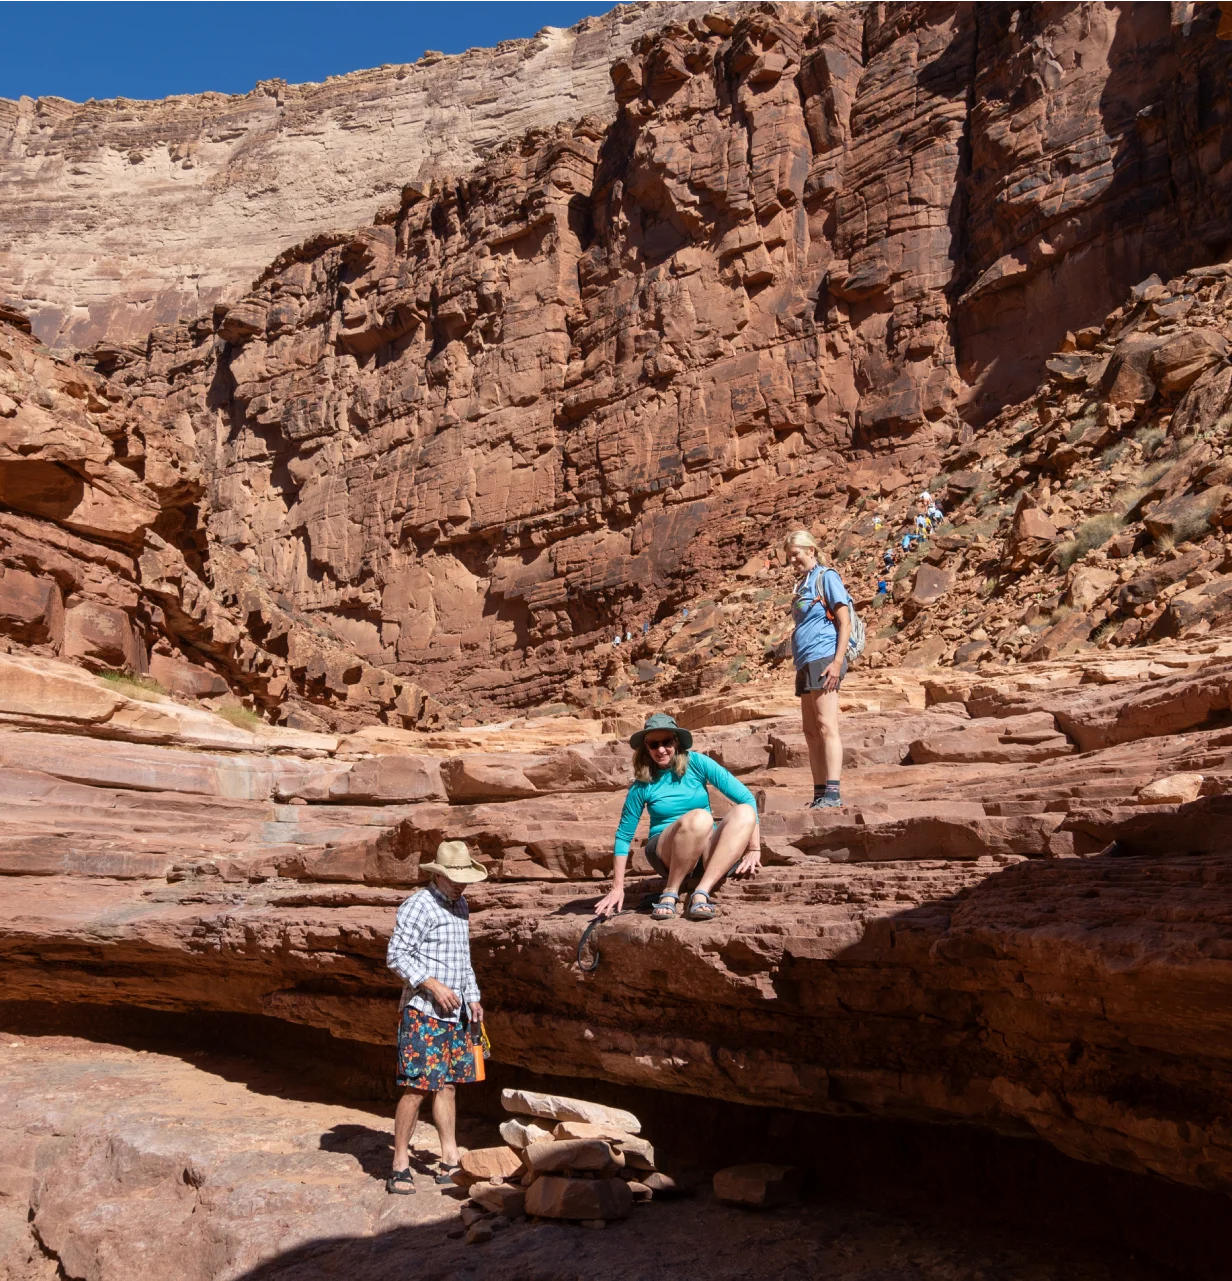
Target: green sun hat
column 659, row 721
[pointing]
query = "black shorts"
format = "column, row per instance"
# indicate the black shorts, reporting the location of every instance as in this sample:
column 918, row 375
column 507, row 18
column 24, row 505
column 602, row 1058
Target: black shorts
column 809, row 676
column 652, row 857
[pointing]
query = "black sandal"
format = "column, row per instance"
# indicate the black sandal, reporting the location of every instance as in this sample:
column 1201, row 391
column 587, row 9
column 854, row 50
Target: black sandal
column 401, row 1182
column 445, row 1172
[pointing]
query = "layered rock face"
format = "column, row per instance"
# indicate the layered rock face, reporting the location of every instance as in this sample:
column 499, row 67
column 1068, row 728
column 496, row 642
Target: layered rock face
column 1028, row 931
column 116, row 216
column 485, row 427
column 554, row 394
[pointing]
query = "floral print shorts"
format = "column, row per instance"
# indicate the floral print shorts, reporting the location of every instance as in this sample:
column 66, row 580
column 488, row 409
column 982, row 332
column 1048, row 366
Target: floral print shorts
column 434, row 1052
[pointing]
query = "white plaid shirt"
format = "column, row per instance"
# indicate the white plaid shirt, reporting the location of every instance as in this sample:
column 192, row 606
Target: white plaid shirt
column 432, row 940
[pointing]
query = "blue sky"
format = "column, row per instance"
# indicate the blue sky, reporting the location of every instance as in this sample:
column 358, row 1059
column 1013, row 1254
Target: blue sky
column 108, row 50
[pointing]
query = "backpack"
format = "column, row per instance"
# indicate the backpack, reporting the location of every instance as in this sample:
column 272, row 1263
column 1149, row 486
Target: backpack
column 855, row 642
column 858, row 637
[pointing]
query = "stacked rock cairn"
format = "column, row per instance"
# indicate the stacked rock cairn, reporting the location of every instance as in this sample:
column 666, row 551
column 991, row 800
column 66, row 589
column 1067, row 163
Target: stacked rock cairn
column 562, row 1159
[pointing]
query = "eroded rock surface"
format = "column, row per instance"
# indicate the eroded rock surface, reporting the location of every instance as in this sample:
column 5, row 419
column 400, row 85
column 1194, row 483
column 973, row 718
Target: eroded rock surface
column 216, row 1169
column 1000, row 942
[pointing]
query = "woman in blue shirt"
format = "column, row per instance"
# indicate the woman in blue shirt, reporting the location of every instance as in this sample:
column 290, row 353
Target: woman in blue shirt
column 821, row 611
column 670, row 781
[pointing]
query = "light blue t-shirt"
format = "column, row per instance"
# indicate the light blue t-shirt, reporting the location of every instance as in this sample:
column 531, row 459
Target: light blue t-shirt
column 668, row 797
column 816, row 598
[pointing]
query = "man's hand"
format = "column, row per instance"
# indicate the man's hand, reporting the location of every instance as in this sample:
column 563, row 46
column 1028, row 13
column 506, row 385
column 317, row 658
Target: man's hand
column 832, row 675
column 612, row 903
column 476, row 1012
column 444, row 998
column 749, row 865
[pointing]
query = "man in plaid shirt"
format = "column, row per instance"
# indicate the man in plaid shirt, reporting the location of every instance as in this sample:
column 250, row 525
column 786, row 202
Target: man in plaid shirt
column 440, row 1015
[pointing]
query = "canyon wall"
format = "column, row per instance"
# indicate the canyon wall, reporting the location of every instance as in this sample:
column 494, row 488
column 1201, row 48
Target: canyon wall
column 119, row 215
column 442, row 456
column 540, row 397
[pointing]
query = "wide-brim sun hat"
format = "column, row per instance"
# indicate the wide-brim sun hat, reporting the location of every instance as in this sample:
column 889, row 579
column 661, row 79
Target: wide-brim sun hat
column 454, row 860
column 661, row 721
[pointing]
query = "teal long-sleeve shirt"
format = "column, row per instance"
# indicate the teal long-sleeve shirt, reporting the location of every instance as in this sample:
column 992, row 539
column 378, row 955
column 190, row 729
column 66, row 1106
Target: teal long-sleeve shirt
column 668, row 797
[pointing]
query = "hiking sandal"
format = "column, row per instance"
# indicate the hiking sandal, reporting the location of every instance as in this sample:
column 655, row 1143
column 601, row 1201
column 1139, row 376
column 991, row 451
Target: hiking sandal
column 444, row 1173
column 401, row 1182
column 665, row 907
column 703, row 911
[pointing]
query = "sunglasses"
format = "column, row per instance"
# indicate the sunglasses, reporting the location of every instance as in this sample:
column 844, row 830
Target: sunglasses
column 659, row 744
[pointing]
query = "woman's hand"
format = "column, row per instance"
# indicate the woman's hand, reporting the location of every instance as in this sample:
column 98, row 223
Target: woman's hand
column 832, row 675
column 749, row 865
column 612, row 903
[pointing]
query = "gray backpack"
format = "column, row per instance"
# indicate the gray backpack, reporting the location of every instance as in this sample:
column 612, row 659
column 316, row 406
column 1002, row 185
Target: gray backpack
column 858, row 637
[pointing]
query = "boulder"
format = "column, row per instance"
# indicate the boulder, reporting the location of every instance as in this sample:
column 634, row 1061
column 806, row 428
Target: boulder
column 559, row 1108
column 930, row 585
column 190, row 679
column 1186, row 517
column 1173, row 789
column 637, row 1152
column 571, row 1154
column 1070, row 633
column 31, row 609
column 520, row 1132
column 54, row 691
column 552, row 1197
column 501, row 1198
column 1088, row 584
column 389, row 780
column 1127, row 381
column 590, row 1130
column 490, row 1163
column 1031, row 537
column 1179, row 362
column 102, row 636
column 759, row 1185
column 662, row 1185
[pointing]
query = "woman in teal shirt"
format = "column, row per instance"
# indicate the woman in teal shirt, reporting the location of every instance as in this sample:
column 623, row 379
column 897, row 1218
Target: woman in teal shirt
column 670, row 781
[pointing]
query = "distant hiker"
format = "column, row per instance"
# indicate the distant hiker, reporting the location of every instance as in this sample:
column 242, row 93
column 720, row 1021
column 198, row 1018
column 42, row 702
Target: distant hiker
column 882, row 587
column 876, row 522
column 934, row 514
column 440, row 1024
column 925, row 498
column 684, row 840
column 887, row 558
column 821, row 610
column 921, row 523
column 906, row 543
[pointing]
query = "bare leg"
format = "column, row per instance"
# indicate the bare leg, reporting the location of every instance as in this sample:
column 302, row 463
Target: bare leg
column 444, row 1114
column 827, row 714
column 727, row 845
column 685, row 843
column 404, row 1125
column 812, row 736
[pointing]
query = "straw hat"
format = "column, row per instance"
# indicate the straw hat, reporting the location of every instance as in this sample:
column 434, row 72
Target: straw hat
column 662, row 721
column 453, row 859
